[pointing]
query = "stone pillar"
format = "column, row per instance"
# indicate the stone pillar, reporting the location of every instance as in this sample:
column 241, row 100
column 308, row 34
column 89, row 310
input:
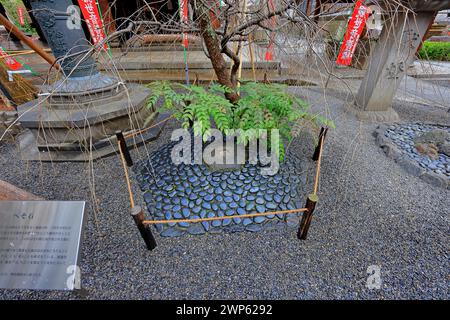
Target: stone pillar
column 76, row 118
column 55, row 19
column 388, row 64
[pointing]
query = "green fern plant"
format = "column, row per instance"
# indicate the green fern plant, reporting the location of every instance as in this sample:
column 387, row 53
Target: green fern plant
column 261, row 106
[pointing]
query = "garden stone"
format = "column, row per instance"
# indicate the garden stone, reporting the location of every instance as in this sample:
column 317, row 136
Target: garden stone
column 445, row 148
column 437, row 137
column 185, row 212
column 206, row 205
column 260, row 208
column 260, row 201
column 196, row 209
column 254, row 227
column 216, row 223
column 196, row 229
column 237, row 220
column 420, row 146
column 250, row 206
column 205, row 225
column 437, row 180
column 171, row 232
column 271, row 205
column 259, row 219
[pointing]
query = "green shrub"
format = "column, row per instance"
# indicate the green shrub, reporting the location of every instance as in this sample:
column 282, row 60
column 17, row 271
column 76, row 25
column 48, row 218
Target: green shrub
column 261, row 106
column 435, row 51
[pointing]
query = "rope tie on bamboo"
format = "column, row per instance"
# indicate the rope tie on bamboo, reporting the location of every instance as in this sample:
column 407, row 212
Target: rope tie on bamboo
column 249, row 215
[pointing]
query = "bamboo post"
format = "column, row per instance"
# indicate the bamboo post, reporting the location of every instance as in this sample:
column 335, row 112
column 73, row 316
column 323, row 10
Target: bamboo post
column 124, row 148
column 322, row 135
column 10, row 27
column 307, row 216
column 12, row 193
column 146, row 233
column 244, row 7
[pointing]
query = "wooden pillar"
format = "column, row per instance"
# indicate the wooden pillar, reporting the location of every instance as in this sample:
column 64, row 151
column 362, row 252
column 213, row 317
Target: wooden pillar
column 12, row 193
column 389, row 61
column 305, row 223
column 144, row 230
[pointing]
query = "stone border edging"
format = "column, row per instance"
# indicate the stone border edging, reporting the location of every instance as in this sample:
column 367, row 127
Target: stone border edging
column 409, row 165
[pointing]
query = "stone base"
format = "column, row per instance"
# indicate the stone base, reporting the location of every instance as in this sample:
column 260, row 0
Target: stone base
column 389, row 115
column 106, row 147
column 63, row 128
column 67, row 125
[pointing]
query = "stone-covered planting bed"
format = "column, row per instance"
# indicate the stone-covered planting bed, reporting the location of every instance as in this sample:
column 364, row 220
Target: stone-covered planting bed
column 192, row 191
column 399, row 143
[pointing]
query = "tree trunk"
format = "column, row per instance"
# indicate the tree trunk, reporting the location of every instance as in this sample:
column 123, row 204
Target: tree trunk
column 215, row 52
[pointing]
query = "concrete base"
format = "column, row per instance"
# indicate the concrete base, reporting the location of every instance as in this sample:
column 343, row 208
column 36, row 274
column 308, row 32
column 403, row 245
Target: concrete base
column 389, row 115
column 103, row 148
column 70, row 126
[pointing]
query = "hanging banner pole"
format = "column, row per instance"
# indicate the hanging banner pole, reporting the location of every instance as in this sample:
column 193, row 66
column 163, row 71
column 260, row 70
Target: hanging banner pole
column 355, row 27
column 104, row 27
column 183, row 5
column 12, row 63
column 270, row 47
column 91, row 15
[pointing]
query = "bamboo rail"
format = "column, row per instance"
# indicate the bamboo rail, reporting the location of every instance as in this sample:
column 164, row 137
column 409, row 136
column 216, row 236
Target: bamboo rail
column 307, row 211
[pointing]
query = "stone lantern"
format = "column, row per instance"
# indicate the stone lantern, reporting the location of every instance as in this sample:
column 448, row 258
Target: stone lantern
column 82, row 111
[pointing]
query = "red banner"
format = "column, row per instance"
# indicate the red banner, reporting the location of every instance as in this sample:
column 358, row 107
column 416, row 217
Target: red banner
column 12, row 63
column 270, row 47
column 354, row 30
column 184, row 18
column 93, row 20
column 21, row 16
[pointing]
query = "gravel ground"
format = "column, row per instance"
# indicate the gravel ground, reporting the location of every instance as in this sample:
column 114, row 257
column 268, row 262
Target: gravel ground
column 370, row 212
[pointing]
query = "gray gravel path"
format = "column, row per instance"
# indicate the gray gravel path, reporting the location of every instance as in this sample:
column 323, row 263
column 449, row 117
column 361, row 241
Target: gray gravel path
column 371, row 212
